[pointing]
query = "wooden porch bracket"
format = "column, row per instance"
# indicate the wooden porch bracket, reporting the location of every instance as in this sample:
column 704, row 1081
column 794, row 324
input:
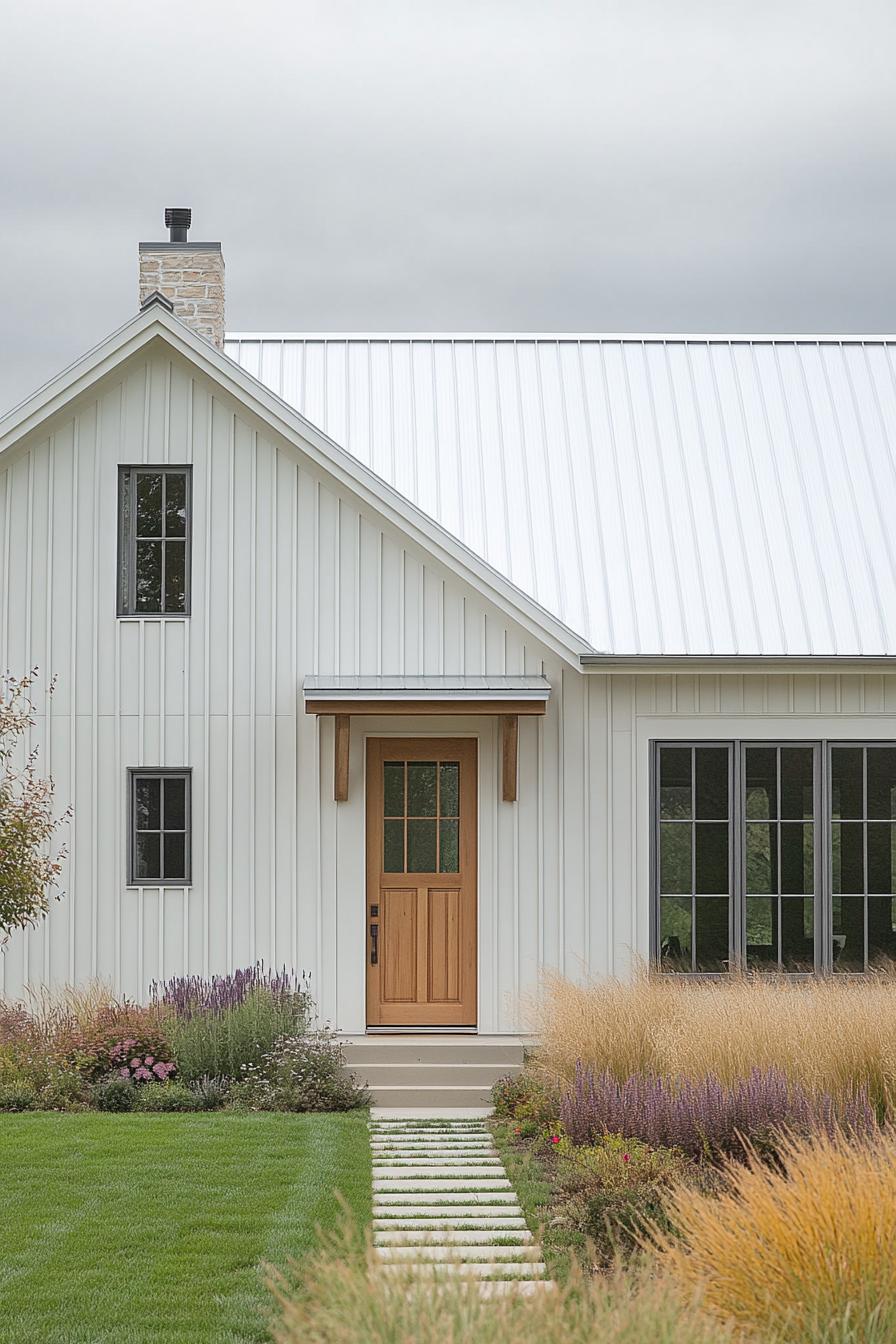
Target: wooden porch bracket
column 510, row 736
column 340, row 757
column 506, row 710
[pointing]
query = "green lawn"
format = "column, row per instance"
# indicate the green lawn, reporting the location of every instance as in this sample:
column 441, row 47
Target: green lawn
column 149, row 1229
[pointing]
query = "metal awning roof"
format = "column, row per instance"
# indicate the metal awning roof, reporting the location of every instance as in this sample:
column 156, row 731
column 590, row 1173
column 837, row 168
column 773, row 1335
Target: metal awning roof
column 449, row 689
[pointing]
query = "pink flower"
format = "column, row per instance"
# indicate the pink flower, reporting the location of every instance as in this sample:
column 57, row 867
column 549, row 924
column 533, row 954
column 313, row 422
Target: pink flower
column 555, row 1138
column 143, row 1074
column 626, row 1157
column 149, row 1060
column 135, row 1063
column 125, row 1072
column 160, row 1070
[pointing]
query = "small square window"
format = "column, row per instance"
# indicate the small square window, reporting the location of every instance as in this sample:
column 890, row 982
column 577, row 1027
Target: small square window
column 160, row 828
column 154, row 531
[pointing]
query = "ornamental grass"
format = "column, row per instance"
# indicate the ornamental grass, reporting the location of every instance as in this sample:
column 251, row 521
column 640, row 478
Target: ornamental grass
column 802, row 1251
column 341, row 1296
column 836, row 1035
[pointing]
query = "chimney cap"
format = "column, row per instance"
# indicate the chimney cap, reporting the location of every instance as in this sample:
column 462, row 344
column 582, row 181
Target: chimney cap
column 177, row 221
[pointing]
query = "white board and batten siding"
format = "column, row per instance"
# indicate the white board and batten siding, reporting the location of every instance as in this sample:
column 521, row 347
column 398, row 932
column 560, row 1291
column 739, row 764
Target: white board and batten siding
column 290, row 577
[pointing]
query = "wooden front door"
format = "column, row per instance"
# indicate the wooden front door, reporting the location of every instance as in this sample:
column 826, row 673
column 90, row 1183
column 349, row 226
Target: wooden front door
column 421, row 882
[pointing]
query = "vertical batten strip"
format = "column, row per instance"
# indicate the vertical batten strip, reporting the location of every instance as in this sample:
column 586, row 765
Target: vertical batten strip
column 48, row 646
column 94, row 697
column 206, row 673
column 253, row 715
column 73, row 687
column 29, row 657
column 231, row 461
column 294, row 702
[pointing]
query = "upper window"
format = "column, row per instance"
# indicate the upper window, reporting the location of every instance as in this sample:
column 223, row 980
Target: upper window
column 154, row 541
column 754, row 871
column 160, row 826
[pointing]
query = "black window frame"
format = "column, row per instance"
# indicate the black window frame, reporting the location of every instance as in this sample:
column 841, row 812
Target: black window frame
column 737, row 923
column 127, row 541
column 863, row 744
column 136, row 773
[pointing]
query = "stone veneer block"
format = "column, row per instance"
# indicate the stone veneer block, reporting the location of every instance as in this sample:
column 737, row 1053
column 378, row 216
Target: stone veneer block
column 191, row 275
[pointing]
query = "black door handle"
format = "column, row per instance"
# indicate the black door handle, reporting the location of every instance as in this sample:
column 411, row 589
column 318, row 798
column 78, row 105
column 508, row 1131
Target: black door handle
column 374, row 933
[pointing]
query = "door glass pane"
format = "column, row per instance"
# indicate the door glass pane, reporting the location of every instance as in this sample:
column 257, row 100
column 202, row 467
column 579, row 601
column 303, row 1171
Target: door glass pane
column 762, row 857
column 148, row 855
column 847, row 857
column 449, row 860
column 712, row 782
column 449, row 789
column 846, row 782
column 147, row 804
column 149, row 505
column 393, row 846
column 148, row 578
column 711, row 858
column 797, row 858
column 797, row 780
column 762, row 932
column 422, row 792
column 393, row 790
column 881, row 858
column 675, row 782
column 761, row 782
column 882, row 782
column 421, row 846
column 675, row 857
column 175, row 504
column 849, row 933
column 174, row 856
column 798, row 934
column 711, row 933
column 881, row 929
column 175, row 576
column 175, row 804
column 675, row 933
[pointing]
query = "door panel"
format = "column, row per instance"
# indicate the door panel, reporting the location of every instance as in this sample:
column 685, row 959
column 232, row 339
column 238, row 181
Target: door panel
column 421, row 829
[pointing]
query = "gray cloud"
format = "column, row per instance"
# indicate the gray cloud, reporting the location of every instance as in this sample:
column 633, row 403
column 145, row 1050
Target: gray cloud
column 686, row 165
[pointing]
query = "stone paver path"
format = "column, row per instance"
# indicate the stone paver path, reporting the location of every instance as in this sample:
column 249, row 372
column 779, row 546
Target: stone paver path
column 442, row 1203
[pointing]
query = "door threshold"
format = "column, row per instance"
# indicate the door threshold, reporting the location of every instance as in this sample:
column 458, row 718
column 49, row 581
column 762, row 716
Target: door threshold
column 421, row 1031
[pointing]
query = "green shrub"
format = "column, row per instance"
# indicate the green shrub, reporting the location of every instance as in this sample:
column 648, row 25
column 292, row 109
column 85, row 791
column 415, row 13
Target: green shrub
column 63, row 1090
column 17, row 1096
column 527, row 1099
column 114, row 1094
column 210, row 1093
column 166, row 1097
column 301, row 1073
column 225, row 1041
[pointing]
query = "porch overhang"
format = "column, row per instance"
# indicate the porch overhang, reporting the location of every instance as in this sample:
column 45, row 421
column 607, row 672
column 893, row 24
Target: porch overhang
column 506, row 697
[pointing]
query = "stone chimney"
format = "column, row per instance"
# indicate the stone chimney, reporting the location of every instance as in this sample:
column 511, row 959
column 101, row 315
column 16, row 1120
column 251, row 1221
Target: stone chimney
column 189, row 275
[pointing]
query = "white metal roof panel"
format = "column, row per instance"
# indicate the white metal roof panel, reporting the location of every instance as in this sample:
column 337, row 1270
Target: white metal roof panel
column 427, row 688
column 678, row 496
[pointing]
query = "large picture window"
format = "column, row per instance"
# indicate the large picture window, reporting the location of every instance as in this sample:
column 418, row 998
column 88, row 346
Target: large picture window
column 154, row 541
column 774, row 856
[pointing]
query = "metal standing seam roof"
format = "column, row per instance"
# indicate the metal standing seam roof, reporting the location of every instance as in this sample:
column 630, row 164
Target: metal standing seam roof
column 426, row 688
column 686, row 496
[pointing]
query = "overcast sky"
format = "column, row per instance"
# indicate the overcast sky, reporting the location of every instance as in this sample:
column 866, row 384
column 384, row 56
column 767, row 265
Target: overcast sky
column 408, row 165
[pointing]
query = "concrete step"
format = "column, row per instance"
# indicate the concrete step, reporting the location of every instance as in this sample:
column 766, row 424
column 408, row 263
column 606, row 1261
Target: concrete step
column 468, row 1255
column 500, row 1052
column 430, row 1074
column 525, row 1287
column 455, row 1236
column 443, row 1198
column 444, row 1098
column 434, row 1170
column 452, row 1215
column 488, row 1269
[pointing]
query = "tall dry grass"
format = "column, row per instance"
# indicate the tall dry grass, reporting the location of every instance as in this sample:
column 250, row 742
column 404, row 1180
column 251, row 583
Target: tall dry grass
column 835, row 1034
column 340, row 1296
column 804, row 1253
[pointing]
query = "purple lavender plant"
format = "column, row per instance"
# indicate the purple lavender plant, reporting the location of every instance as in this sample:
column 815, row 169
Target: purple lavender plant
column 706, row 1118
column 190, row 995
